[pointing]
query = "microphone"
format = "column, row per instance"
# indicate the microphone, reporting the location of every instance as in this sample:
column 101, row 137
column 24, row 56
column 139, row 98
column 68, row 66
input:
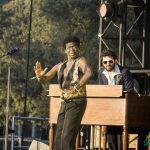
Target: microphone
column 12, row 51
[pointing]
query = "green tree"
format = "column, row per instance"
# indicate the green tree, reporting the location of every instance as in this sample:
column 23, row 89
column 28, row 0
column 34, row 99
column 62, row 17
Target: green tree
column 51, row 22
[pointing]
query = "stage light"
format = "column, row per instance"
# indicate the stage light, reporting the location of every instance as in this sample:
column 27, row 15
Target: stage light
column 106, row 10
column 111, row 11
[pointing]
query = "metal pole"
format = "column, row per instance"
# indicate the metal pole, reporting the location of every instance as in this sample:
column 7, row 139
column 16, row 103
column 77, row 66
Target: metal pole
column 100, row 42
column 12, row 135
column 7, row 104
column 28, row 58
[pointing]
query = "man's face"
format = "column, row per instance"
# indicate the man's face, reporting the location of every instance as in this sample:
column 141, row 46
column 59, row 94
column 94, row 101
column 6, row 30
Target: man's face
column 108, row 63
column 72, row 50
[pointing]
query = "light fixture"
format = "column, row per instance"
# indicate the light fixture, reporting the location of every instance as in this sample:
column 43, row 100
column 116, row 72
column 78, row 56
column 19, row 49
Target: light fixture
column 106, row 10
column 111, row 11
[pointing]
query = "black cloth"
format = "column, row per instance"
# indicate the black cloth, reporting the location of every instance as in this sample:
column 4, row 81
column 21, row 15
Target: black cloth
column 114, row 134
column 68, row 123
column 126, row 79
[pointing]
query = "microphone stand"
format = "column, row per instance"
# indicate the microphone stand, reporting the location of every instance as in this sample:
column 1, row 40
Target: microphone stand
column 7, row 102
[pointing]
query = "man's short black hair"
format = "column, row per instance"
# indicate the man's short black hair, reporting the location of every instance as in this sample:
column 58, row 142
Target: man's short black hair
column 71, row 39
column 108, row 53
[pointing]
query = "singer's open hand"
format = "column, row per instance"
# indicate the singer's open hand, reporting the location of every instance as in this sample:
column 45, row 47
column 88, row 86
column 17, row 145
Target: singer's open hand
column 38, row 70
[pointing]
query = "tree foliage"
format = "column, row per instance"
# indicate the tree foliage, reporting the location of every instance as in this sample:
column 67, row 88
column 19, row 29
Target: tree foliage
column 52, row 20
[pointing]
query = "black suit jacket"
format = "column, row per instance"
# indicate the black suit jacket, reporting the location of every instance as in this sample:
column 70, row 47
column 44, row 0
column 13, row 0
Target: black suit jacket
column 125, row 79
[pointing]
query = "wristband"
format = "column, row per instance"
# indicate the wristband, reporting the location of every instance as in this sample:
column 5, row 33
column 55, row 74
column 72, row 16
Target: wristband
column 77, row 86
column 36, row 77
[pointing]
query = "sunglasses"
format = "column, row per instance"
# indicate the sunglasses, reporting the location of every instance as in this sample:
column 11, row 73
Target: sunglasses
column 110, row 62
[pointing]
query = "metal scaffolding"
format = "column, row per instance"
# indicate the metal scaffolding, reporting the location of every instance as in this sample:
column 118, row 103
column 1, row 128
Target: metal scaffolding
column 126, row 35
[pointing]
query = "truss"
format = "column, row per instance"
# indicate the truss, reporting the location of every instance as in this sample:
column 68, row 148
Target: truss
column 126, row 36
